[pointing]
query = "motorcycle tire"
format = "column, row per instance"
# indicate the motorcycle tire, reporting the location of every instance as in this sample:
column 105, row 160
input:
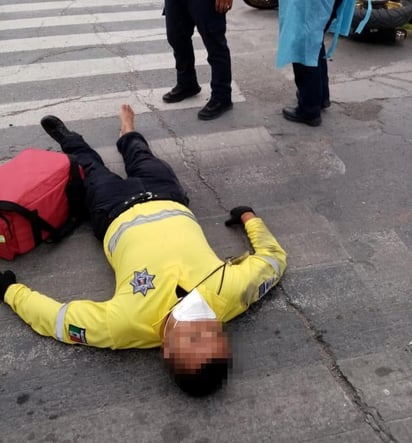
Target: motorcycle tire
column 381, row 36
column 262, row 4
column 383, row 18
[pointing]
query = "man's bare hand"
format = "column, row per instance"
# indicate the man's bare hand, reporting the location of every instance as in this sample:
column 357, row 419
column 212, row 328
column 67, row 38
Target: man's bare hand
column 223, row 6
column 247, row 216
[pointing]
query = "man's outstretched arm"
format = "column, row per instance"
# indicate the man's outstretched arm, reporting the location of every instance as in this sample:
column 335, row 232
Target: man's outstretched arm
column 250, row 277
column 262, row 240
column 77, row 322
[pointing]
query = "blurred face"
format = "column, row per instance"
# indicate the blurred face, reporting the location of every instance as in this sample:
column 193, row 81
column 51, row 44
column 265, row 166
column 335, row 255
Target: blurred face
column 192, row 343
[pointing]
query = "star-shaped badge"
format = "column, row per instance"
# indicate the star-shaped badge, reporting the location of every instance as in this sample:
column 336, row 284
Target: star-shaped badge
column 142, row 282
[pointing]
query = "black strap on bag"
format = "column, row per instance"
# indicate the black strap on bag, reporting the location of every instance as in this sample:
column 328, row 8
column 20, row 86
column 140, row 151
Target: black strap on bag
column 76, row 192
column 37, row 223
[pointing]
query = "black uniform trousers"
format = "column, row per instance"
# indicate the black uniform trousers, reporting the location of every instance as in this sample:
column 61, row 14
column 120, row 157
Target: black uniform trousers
column 107, row 192
column 312, row 82
column 181, row 18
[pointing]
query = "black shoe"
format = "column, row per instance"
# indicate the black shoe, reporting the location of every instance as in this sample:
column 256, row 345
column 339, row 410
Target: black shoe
column 179, row 93
column 293, row 115
column 213, row 109
column 55, row 128
column 325, row 104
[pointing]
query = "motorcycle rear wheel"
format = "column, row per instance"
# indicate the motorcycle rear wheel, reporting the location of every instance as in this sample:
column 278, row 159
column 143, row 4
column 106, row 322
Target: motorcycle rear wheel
column 385, row 14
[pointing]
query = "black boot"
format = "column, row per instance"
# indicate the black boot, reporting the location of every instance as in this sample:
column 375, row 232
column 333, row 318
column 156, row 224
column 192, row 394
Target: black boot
column 179, row 93
column 213, row 109
column 55, row 128
column 293, row 115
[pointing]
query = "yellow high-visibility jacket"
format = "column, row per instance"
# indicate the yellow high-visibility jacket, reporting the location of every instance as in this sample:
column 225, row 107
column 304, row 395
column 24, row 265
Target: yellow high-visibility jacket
column 153, row 248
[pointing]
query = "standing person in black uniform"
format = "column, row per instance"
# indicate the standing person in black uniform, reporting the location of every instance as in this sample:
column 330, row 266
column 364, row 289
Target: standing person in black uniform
column 209, row 17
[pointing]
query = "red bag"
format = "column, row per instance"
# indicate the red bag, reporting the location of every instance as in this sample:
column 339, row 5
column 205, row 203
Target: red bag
column 41, row 197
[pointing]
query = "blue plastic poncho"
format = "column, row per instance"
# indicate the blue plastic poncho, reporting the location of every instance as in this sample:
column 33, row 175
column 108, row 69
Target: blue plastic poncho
column 301, row 28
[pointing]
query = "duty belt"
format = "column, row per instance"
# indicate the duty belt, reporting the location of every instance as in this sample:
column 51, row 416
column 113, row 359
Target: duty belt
column 140, row 198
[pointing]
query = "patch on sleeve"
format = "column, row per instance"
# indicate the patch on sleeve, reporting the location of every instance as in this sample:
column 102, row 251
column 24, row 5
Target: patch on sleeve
column 76, row 334
column 264, row 288
column 142, row 282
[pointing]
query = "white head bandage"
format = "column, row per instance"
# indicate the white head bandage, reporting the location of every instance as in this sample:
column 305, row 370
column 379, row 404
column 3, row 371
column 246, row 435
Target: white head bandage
column 193, row 307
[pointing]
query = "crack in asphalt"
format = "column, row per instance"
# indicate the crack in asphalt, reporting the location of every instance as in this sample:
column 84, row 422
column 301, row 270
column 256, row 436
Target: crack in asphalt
column 402, row 137
column 64, row 10
column 37, row 108
column 381, row 81
column 187, row 155
column 57, row 53
column 370, row 414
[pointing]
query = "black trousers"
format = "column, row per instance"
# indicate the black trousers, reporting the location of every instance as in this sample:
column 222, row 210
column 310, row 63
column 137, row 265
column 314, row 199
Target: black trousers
column 181, row 18
column 312, row 82
column 106, row 191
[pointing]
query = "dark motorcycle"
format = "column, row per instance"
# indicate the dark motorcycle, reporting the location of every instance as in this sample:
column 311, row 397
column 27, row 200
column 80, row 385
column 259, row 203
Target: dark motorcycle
column 384, row 24
column 386, row 14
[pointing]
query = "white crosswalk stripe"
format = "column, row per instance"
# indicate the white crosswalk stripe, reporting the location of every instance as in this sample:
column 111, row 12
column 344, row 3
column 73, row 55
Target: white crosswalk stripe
column 84, row 19
column 73, row 69
column 82, row 40
column 69, row 5
column 105, row 105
